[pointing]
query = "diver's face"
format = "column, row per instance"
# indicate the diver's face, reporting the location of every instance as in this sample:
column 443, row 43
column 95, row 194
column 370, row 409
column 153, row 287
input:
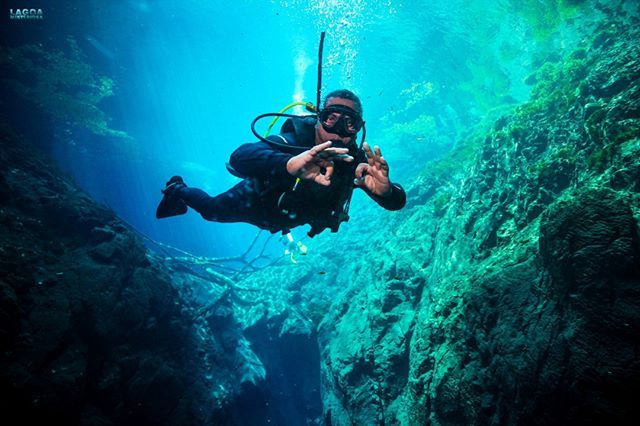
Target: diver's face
column 322, row 135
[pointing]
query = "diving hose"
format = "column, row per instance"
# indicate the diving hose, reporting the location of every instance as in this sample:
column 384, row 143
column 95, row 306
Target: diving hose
column 308, row 106
column 320, row 49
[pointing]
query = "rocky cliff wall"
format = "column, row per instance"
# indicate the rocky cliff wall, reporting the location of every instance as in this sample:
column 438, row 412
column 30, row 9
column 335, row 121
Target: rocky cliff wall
column 509, row 290
column 95, row 329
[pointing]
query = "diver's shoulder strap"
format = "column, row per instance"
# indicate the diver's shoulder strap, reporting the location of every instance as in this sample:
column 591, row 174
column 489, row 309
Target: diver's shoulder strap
column 302, row 129
column 281, row 138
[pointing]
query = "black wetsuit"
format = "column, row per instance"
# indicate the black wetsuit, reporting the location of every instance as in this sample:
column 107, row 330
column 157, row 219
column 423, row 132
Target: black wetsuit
column 266, row 198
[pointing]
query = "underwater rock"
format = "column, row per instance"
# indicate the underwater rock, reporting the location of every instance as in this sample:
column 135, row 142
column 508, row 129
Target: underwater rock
column 102, row 234
column 529, row 311
column 9, row 320
column 96, row 330
column 589, row 243
column 5, row 191
column 121, row 248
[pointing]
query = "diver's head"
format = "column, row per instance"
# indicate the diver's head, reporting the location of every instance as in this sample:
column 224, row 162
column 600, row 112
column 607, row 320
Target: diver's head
column 340, row 118
column 345, row 94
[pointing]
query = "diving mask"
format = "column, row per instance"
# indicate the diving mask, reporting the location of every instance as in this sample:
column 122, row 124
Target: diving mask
column 340, row 120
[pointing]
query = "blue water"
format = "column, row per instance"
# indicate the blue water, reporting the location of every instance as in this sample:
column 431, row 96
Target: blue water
column 190, row 76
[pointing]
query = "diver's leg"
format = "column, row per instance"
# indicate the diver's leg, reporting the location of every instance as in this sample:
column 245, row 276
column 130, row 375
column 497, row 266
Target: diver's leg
column 238, row 204
column 241, row 203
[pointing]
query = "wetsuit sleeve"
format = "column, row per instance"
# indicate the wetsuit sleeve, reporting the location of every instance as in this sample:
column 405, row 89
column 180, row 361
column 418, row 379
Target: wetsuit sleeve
column 260, row 160
column 395, row 201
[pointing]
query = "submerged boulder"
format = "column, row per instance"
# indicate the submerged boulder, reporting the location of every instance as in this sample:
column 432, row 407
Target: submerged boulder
column 94, row 328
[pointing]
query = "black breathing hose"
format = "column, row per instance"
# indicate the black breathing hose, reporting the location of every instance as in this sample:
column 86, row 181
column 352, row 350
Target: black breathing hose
column 318, row 99
column 274, row 143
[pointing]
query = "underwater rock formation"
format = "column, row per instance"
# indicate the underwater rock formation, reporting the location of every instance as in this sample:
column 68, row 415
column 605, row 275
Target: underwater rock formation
column 54, row 85
column 96, row 330
column 511, row 293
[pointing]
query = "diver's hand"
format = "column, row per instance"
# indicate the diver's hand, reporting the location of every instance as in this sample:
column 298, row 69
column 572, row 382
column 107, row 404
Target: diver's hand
column 316, row 164
column 374, row 175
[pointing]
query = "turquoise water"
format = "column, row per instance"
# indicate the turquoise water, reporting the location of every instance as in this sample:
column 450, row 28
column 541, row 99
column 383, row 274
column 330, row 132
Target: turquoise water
column 505, row 292
column 188, row 77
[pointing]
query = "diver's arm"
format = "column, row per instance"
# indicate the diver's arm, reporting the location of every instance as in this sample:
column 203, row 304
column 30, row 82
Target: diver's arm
column 396, row 200
column 260, row 160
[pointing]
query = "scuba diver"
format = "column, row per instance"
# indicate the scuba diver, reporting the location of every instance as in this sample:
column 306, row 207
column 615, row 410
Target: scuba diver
column 304, row 175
